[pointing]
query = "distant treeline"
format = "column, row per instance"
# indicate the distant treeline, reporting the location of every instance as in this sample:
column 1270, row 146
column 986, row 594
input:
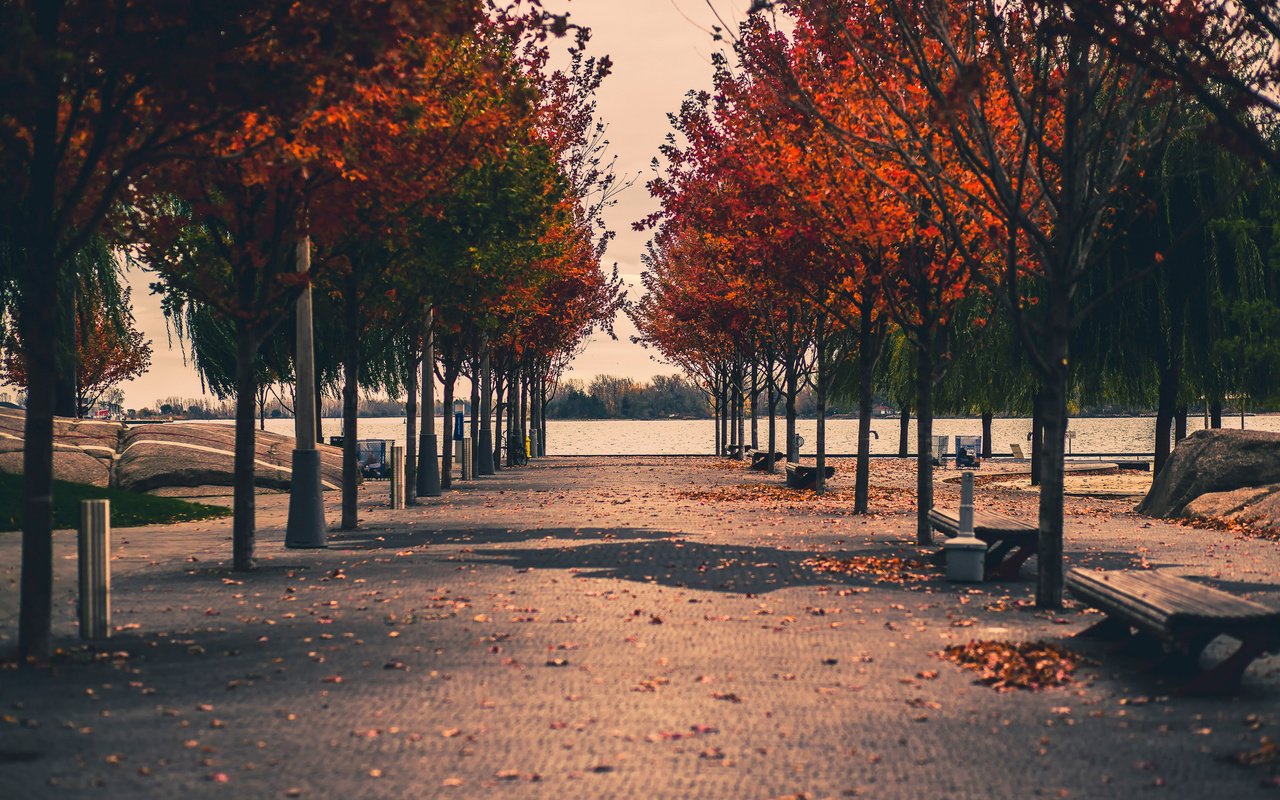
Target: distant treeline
column 611, row 397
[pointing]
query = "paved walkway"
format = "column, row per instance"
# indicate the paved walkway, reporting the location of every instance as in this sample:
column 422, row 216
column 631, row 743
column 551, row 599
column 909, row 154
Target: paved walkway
column 610, row 628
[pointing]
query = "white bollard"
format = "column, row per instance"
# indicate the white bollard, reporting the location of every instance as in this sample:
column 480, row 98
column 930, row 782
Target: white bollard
column 95, row 569
column 966, row 554
column 397, row 476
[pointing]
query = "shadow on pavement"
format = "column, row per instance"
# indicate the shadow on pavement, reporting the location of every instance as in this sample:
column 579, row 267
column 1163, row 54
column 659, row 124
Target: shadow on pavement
column 670, row 561
column 372, row 540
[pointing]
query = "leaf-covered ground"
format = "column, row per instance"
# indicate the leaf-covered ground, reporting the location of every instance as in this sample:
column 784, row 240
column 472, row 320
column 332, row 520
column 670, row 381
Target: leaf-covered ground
column 579, row 629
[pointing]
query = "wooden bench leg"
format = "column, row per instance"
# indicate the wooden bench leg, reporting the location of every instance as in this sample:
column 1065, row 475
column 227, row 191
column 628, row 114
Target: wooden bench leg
column 1226, row 676
column 1007, row 570
column 1109, row 629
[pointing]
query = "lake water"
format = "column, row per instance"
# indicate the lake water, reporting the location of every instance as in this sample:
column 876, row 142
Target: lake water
column 696, row 437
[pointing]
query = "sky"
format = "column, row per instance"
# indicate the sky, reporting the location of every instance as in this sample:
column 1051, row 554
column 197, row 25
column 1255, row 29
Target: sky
column 660, row 49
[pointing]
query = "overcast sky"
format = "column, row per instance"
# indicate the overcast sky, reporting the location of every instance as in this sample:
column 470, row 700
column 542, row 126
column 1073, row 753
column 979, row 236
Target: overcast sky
column 660, row 50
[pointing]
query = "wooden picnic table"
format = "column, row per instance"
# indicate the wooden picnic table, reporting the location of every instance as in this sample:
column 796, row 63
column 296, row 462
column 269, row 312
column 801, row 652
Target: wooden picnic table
column 1009, row 541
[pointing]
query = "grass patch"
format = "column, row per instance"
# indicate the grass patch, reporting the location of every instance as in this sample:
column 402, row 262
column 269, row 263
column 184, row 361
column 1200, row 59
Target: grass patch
column 128, row 509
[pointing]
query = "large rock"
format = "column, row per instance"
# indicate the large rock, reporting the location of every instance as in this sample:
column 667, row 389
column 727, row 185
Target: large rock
column 83, row 450
column 1257, row 507
column 195, row 454
column 146, row 457
column 1214, row 461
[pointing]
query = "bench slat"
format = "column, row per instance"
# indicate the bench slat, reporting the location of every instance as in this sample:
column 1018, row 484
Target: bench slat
column 948, row 520
column 1174, row 595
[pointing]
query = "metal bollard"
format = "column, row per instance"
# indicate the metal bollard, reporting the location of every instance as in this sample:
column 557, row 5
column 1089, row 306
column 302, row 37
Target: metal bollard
column 467, row 459
column 966, row 504
column 95, row 569
column 397, row 476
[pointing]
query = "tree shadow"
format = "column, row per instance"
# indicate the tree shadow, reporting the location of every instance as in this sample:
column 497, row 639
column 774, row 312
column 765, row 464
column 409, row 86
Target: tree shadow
column 371, row 539
column 668, row 560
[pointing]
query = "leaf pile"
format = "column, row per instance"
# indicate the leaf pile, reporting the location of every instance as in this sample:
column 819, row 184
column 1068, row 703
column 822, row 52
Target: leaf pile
column 1266, row 754
column 1015, row 665
column 782, row 498
column 882, row 569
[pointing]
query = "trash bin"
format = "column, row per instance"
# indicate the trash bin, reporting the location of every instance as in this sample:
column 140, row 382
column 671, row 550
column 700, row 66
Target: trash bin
column 335, row 441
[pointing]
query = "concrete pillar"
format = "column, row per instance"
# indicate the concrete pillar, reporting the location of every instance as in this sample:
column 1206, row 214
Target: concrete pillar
column 397, row 476
column 95, row 569
column 467, row 458
column 306, row 527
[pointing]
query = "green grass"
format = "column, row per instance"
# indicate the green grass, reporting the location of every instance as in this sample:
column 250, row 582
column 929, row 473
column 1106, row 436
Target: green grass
column 128, row 509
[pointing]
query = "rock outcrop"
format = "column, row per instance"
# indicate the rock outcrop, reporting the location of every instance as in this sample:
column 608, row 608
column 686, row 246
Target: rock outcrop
column 83, row 450
column 1218, row 473
column 145, row 457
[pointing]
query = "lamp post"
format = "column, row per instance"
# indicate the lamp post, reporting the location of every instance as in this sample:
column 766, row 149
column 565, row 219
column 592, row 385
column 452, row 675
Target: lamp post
column 306, row 527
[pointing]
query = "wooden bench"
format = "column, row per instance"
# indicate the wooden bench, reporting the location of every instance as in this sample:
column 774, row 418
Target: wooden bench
column 1183, row 616
column 799, row 477
column 1009, row 541
column 760, row 461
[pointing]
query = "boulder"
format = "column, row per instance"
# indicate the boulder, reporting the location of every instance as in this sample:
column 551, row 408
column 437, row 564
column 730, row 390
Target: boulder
column 1214, row 461
column 83, row 450
column 146, row 457
column 196, row 454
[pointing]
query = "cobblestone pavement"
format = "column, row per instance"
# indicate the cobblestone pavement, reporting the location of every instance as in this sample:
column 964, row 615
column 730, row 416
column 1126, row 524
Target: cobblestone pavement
column 612, row 628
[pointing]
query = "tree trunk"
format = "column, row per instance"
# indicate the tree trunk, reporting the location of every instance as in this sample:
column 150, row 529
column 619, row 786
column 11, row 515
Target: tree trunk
column 483, row 447
column 904, row 432
column 820, row 421
column 1166, row 405
column 726, row 415
column 987, row 417
column 541, row 388
column 38, row 304
column 498, row 393
column 1180, row 424
column 741, row 391
column 350, row 409
column 428, row 475
column 771, row 458
column 924, row 445
column 446, row 444
column 1049, row 555
column 411, row 431
column 475, row 404
column 1215, row 414
column 866, row 379
column 1037, row 437
column 715, row 415
column 242, row 471
column 39, row 316
column 755, row 402
column 792, row 389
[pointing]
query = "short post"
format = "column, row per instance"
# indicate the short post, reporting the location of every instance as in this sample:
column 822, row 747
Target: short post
column 966, row 505
column 467, row 459
column 95, row 569
column 397, row 476
column 966, row 554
